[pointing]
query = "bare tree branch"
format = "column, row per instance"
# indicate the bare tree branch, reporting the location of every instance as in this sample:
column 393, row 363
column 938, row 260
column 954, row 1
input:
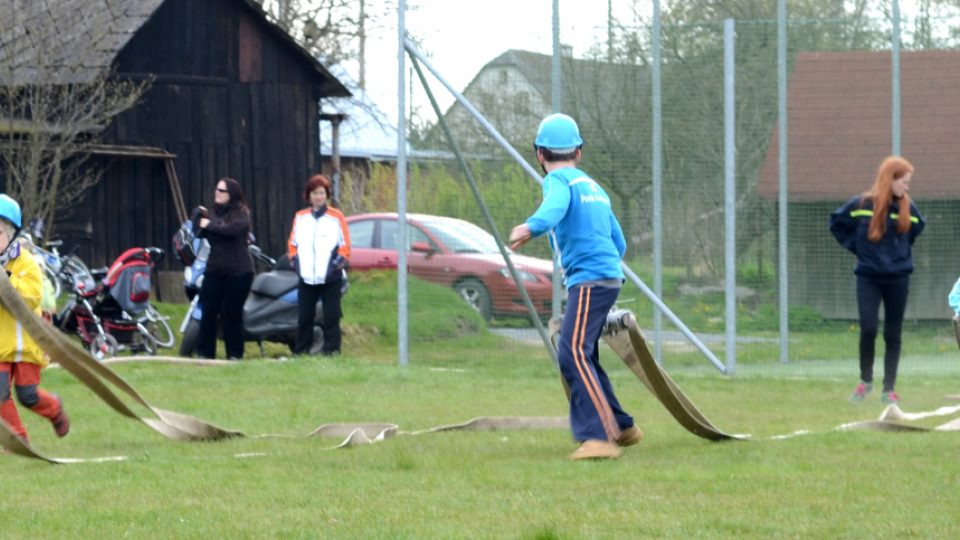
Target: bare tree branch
column 46, row 128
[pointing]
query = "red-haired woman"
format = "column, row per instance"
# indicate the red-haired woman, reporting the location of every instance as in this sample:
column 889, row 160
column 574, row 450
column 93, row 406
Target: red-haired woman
column 319, row 247
column 880, row 227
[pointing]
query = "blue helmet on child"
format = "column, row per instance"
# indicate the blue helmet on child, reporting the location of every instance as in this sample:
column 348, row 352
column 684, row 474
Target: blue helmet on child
column 558, row 133
column 10, row 210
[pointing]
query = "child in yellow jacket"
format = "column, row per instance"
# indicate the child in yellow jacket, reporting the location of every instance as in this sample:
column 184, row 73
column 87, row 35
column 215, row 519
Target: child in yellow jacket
column 21, row 359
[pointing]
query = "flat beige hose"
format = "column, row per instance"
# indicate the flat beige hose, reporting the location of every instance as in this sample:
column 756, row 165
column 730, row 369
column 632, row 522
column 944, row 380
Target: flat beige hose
column 173, row 425
column 622, row 335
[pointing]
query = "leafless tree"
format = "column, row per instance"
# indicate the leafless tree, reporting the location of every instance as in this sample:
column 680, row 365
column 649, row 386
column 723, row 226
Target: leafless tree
column 335, row 30
column 50, row 115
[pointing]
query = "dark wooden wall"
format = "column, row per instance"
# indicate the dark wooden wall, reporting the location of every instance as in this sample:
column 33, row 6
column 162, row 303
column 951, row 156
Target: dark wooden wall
column 230, row 97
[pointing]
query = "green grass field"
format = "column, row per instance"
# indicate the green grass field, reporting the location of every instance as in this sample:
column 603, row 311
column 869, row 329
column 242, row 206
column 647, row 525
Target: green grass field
column 509, row 484
column 494, row 484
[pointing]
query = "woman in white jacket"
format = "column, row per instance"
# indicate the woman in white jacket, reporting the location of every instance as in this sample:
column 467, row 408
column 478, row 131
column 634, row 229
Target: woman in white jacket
column 319, row 248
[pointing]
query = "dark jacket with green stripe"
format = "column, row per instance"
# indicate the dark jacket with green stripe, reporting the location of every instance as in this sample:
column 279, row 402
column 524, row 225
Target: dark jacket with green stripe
column 892, row 255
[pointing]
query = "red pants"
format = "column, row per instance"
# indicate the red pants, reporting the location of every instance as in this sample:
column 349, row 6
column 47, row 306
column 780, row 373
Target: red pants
column 25, row 377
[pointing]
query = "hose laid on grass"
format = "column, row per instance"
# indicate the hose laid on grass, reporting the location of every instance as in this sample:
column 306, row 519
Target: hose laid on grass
column 94, row 375
column 622, row 335
column 891, row 415
column 177, row 426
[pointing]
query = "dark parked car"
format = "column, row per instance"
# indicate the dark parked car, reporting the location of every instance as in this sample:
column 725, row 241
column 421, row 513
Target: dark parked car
column 456, row 253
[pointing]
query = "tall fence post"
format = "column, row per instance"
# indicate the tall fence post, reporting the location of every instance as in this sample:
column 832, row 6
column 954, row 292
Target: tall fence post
column 730, row 190
column 895, row 82
column 402, row 326
column 656, row 165
column 556, row 105
column 782, row 198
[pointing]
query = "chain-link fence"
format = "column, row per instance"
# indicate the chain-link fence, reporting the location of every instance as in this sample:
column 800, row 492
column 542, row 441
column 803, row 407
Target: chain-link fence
column 850, row 101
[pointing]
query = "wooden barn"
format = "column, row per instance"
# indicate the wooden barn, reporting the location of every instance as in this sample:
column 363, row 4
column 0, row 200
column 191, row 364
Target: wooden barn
column 232, row 94
column 839, row 125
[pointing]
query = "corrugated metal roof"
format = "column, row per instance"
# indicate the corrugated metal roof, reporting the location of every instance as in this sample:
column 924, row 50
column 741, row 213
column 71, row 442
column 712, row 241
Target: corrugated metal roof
column 366, row 133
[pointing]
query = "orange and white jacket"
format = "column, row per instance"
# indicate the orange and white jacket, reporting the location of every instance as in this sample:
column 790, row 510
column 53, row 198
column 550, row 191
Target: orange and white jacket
column 313, row 240
column 15, row 344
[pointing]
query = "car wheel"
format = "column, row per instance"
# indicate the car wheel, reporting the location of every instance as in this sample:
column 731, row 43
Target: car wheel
column 475, row 293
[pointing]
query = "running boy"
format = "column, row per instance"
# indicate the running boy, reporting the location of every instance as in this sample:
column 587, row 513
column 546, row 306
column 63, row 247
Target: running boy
column 583, row 229
column 21, row 359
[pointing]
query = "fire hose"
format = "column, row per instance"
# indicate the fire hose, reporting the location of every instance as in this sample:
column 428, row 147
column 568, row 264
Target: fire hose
column 621, row 334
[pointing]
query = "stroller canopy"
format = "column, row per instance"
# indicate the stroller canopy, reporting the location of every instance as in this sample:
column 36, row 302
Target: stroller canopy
column 128, row 280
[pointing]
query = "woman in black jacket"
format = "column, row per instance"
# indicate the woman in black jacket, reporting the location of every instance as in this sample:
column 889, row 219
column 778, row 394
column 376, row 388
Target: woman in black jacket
column 879, row 227
column 229, row 271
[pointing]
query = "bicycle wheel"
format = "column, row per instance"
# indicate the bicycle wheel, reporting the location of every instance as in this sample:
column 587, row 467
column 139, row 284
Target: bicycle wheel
column 143, row 341
column 74, row 273
column 158, row 327
column 51, row 277
column 103, row 346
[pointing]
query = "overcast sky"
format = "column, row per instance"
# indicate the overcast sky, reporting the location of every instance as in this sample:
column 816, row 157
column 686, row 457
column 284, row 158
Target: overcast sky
column 460, row 36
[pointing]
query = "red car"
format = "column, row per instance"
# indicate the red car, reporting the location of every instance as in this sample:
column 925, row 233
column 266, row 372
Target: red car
column 455, row 253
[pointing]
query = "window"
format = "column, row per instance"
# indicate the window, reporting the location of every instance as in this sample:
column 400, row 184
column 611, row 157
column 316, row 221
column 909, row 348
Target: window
column 388, row 235
column 361, row 233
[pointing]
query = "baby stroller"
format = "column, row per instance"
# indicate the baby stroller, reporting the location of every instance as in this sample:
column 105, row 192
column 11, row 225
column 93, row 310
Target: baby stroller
column 116, row 314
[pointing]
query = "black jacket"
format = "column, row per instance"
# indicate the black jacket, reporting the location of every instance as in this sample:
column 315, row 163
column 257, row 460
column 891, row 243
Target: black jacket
column 892, row 255
column 228, row 233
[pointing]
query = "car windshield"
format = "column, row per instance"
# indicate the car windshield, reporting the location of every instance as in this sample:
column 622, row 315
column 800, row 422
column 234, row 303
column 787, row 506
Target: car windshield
column 462, row 236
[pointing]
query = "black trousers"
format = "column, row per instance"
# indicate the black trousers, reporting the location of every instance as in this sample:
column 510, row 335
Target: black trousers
column 222, row 298
column 307, row 297
column 892, row 291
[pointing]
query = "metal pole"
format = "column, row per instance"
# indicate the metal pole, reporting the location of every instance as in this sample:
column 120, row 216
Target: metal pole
column 402, row 332
column 415, row 52
column 492, row 131
column 556, row 105
column 895, row 83
column 673, row 318
column 657, row 166
column 783, row 275
column 730, row 190
column 555, row 66
column 534, row 316
column 335, row 158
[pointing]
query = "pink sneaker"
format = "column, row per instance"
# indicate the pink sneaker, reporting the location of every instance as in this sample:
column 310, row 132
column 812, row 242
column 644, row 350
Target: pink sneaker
column 861, row 392
column 889, row 398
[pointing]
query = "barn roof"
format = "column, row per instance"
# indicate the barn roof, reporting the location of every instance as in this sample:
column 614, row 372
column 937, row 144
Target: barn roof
column 50, row 29
column 839, row 124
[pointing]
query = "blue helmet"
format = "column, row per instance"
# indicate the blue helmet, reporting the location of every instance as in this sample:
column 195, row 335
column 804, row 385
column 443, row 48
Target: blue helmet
column 10, row 210
column 558, row 133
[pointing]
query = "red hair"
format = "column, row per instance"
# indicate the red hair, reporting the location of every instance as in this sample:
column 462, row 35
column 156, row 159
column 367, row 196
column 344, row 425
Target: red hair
column 315, row 181
column 881, row 193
